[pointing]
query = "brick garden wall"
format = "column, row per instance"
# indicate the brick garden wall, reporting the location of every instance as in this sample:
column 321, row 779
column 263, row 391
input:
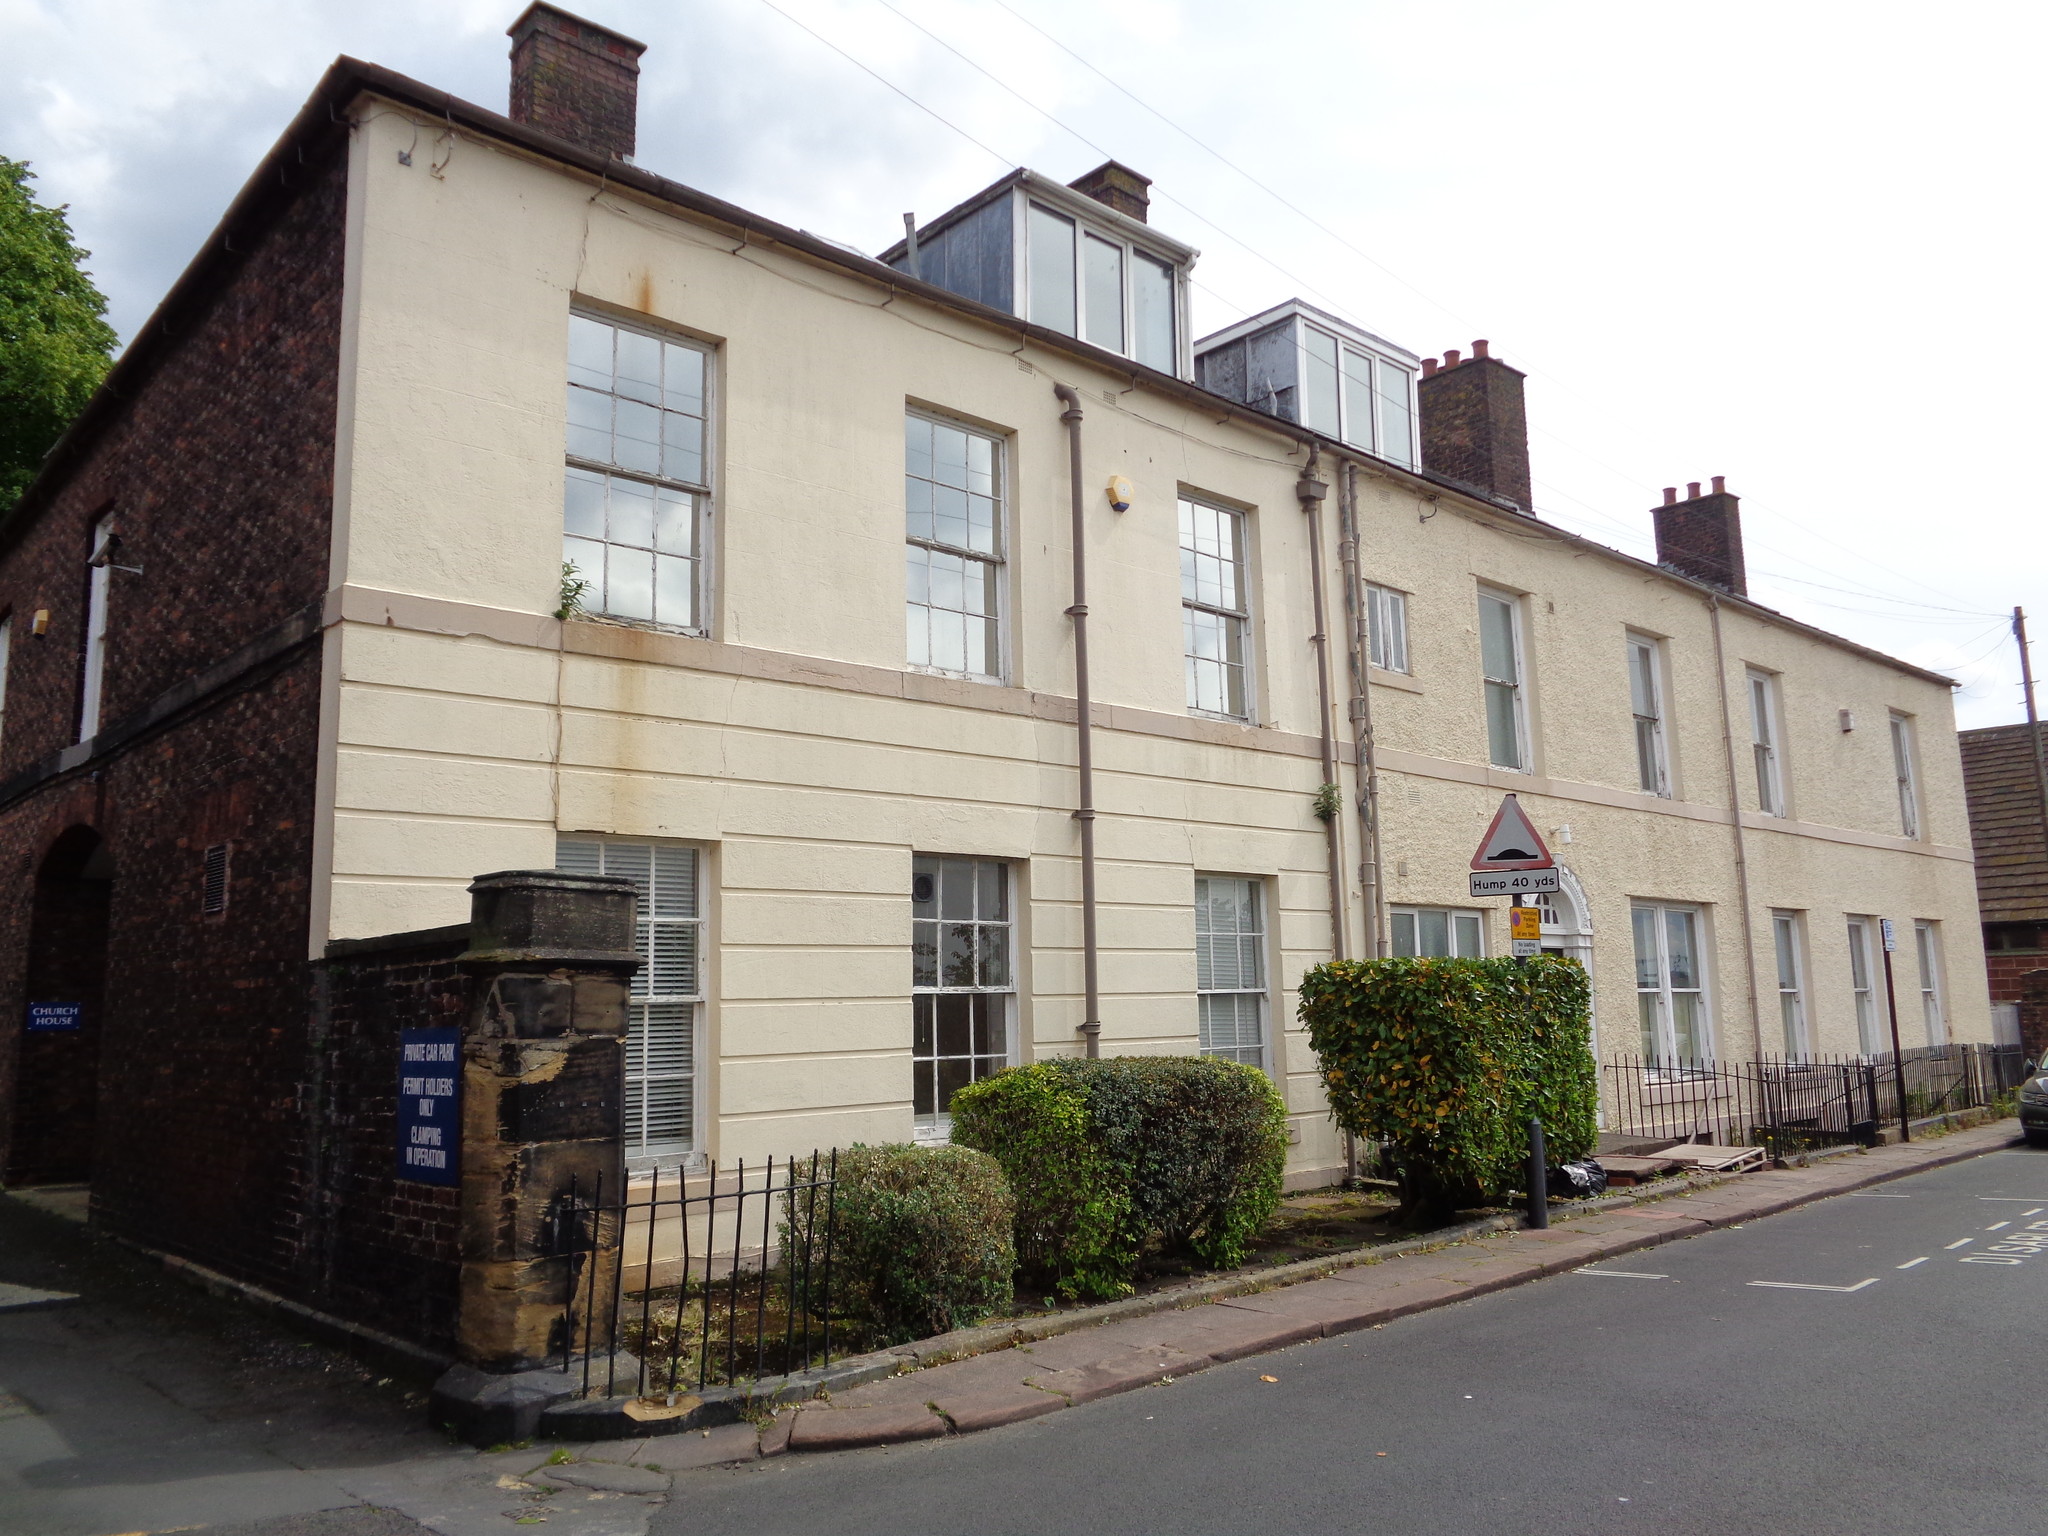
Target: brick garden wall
column 379, row 1249
column 213, row 448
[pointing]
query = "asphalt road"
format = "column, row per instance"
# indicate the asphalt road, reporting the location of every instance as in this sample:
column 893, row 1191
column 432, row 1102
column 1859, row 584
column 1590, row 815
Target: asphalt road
column 1863, row 1365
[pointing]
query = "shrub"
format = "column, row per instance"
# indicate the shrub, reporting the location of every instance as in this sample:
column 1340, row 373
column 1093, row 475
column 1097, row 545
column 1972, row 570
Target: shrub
column 921, row 1239
column 1109, row 1158
column 1446, row 1060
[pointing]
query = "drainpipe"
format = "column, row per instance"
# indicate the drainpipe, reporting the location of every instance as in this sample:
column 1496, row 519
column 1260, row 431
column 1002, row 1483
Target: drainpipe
column 1084, row 812
column 1363, row 744
column 1310, row 492
column 1756, row 1023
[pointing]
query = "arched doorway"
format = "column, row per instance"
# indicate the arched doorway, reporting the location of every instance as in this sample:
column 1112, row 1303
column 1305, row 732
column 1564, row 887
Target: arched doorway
column 1568, row 930
column 56, row 1084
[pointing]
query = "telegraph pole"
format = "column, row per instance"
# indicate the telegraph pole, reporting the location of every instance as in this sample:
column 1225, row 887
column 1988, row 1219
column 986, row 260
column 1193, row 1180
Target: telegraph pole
column 2019, row 633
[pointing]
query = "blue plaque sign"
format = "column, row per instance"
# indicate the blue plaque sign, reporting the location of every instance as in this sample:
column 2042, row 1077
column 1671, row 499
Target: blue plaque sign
column 429, row 1105
column 54, row 1016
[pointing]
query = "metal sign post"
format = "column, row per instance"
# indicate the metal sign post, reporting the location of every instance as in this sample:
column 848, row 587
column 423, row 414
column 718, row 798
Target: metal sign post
column 1891, row 1003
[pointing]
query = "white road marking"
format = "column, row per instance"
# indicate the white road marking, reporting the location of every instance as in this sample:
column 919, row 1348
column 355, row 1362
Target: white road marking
column 1620, row 1274
column 1794, row 1285
column 1996, row 1225
column 1911, row 1262
column 1870, row 1194
column 1963, row 1244
column 2037, row 1210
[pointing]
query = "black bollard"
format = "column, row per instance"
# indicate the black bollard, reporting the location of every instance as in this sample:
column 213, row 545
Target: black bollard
column 1539, row 1179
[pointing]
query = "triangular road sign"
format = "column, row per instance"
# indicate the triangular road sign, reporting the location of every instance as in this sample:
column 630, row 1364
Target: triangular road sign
column 1511, row 842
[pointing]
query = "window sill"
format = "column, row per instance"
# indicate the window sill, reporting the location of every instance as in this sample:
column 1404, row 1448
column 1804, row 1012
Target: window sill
column 1203, row 714
column 983, row 678
column 1380, row 677
column 619, row 621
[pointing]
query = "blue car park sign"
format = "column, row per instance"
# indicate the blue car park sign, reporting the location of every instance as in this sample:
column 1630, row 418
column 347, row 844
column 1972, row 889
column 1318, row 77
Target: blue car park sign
column 53, row 1017
column 429, row 1105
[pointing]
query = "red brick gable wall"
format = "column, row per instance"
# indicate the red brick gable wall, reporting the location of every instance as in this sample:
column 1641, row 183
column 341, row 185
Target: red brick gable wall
column 220, row 469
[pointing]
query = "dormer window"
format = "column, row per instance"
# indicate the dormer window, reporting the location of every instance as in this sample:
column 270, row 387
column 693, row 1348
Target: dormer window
column 1079, row 259
column 1299, row 364
column 1109, row 292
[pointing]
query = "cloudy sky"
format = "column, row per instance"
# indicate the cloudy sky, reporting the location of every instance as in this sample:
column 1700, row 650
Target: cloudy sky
column 1793, row 244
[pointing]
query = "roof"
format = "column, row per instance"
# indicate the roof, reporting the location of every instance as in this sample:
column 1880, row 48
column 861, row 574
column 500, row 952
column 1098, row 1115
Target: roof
column 2003, row 787
column 322, row 125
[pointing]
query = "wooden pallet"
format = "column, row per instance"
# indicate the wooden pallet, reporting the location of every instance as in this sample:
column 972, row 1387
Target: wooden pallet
column 1711, row 1159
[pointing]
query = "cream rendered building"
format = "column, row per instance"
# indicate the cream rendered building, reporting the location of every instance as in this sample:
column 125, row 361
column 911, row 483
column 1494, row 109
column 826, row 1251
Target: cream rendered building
column 737, row 717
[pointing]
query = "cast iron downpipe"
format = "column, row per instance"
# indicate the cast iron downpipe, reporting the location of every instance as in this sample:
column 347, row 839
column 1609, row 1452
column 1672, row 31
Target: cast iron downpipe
column 1310, row 492
column 1084, row 811
column 1363, row 745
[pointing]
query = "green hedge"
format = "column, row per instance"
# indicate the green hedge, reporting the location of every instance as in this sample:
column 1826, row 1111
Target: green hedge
column 1109, row 1158
column 1446, row 1060
column 921, row 1239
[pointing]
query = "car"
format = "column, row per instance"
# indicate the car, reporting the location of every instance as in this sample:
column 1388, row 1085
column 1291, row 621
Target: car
column 2034, row 1105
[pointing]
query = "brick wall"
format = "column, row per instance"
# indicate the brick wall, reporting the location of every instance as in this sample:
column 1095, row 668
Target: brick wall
column 376, row 1248
column 213, row 448
column 2008, row 966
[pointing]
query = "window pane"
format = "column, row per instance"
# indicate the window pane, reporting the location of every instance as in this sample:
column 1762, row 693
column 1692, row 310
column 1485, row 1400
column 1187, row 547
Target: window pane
column 1051, row 256
column 1503, row 740
column 1642, row 679
column 1788, row 965
column 1319, row 381
column 1688, row 1026
column 1649, row 1006
column 1649, row 775
column 1680, row 951
column 1497, row 639
column 1358, row 398
column 630, row 517
column 590, row 352
column 1152, row 312
column 629, row 583
column 583, row 504
column 1649, row 970
column 1105, row 273
column 1404, row 934
column 1435, row 932
column 1397, row 386
column 1466, row 933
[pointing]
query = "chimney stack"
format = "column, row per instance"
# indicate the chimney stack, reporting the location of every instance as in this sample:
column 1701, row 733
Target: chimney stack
column 1117, row 186
column 575, row 79
column 1701, row 536
column 1475, row 428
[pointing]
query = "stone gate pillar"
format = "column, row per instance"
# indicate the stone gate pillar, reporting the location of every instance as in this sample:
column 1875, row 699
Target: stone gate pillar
column 543, row 1063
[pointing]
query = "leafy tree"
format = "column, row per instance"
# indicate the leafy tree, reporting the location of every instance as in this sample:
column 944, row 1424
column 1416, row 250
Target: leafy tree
column 55, row 347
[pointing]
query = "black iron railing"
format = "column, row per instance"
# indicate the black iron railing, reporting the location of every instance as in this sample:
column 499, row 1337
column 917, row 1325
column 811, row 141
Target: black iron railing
column 682, row 1284
column 1783, row 1103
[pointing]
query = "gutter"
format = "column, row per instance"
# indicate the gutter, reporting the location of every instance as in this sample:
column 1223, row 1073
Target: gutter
column 1311, row 491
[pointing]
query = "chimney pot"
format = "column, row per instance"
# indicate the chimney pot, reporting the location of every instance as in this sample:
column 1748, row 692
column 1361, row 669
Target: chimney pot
column 1479, row 349
column 1117, row 186
column 1692, row 490
column 1670, row 495
column 1720, row 485
column 575, row 79
column 1429, row 366
column 1450, row 357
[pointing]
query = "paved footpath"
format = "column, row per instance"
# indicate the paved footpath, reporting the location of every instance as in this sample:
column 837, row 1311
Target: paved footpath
column 1030, row 1380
